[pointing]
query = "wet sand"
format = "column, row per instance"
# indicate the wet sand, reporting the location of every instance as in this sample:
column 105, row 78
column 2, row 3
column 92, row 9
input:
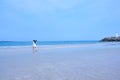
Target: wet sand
column 61, row 62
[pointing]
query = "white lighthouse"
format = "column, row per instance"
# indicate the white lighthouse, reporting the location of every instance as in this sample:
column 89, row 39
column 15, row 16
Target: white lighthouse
column 116, row 35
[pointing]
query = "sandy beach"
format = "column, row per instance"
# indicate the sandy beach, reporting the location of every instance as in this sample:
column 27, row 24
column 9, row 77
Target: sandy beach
column 61, row 62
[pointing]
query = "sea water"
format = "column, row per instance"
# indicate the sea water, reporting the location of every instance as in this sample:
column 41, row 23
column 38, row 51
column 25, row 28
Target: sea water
column 29, row 43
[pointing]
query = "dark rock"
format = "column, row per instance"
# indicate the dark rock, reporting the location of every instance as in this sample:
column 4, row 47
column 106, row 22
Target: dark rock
column 110, row 39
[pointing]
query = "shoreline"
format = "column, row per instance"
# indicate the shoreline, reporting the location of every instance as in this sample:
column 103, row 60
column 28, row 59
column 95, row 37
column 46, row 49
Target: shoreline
column 29, row 49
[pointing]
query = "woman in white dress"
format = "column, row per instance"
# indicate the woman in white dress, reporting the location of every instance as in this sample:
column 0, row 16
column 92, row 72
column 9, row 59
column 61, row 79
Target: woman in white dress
column 34, row 44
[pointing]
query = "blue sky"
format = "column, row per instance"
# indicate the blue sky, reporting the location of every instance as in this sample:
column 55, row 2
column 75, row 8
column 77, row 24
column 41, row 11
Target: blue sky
column 53, row 20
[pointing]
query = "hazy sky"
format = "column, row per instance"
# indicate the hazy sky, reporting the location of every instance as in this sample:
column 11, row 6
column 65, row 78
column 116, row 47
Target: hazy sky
column 58, row 19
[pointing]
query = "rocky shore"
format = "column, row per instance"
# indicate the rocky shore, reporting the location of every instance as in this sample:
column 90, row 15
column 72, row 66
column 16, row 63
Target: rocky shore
column 110, row 39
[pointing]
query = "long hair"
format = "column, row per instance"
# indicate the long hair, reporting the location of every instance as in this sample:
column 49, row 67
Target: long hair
column 34, row 41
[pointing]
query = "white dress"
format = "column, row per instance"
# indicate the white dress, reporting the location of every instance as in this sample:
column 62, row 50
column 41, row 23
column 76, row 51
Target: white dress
column 34, row 44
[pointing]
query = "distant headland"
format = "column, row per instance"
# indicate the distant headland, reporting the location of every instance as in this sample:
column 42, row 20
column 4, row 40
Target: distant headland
column 115, row 38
